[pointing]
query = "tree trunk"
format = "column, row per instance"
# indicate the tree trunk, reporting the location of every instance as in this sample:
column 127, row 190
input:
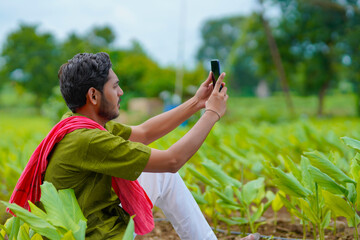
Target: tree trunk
column 277, row 60
column 321, row 98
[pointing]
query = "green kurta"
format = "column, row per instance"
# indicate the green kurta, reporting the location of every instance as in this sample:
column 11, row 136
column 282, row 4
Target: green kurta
column 85, row 160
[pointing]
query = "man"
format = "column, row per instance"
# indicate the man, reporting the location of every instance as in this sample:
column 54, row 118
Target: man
column 87, row 160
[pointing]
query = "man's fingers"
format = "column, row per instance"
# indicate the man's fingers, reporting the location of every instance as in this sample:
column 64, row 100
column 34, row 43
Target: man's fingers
column 208, row 80
column 219, row 82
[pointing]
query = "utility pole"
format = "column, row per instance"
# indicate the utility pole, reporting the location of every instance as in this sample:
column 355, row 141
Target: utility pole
column 181, row 50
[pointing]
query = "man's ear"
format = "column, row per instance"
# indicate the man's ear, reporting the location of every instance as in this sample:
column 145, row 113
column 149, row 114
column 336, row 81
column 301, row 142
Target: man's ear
column 93, row 96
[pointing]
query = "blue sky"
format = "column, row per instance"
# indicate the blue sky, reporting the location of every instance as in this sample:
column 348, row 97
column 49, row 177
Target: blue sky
column 154, row 23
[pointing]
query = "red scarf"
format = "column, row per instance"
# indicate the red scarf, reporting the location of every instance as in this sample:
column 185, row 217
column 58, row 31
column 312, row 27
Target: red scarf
column 133, row 198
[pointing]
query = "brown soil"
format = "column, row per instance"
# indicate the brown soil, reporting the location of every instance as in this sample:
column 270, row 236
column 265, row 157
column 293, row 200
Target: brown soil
column 285, row 228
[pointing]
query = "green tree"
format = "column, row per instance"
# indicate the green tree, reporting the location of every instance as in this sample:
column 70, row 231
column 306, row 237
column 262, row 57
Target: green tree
column 31, row 61
column 220, row 38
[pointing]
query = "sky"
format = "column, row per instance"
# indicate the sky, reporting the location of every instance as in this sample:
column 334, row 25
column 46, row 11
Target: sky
column 169, row 31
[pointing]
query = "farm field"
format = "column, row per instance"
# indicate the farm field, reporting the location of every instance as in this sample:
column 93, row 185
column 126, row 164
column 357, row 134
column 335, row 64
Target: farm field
column 258, row 171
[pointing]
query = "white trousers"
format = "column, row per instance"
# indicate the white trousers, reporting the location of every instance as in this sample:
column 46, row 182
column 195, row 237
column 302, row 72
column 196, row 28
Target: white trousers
column 169, row 192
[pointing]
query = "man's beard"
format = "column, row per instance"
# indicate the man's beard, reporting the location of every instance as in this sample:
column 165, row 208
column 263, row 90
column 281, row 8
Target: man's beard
column 106, row 110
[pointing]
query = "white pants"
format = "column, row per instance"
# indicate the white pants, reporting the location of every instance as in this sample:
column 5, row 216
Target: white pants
column 169, row 192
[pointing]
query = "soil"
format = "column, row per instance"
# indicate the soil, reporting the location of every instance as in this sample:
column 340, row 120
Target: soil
column 286, row 228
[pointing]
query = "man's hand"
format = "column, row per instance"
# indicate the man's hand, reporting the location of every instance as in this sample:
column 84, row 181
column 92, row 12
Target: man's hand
column 204, row 92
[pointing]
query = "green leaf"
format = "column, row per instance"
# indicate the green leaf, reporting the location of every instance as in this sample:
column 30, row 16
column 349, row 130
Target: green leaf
column 240, row 220
column 309, row 212
column 37, row 237
column 277, row 204
column 250, row 190
column 326, row 182
column 258, row 213
column 355, row 166
column 68, row 236
column 358, row 193
column 71, row 206
column 228, row 220
column 199, row 198
column 321, row 162
column 55, row 208
column 292, row 167
column 6, row 231
column 39, row 225
column 219, row 175
column 338, row 205
column 129, row 232
column 225, row 198
column 289, row 184
column 292, row 209
column 352, row 192
column 15, row 225
column 353, row 143
column 307, row 180
column 326, row 220
column 23, row 232
column 201, row 177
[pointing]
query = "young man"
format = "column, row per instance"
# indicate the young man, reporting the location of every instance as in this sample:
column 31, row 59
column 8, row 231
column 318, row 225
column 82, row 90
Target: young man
column 89, row 159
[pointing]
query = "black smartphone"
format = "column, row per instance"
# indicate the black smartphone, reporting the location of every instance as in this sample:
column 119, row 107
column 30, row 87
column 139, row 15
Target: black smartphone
column 215, row 69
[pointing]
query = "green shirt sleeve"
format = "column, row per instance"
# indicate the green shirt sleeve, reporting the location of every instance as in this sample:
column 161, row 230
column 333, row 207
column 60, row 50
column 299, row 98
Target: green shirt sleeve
column 118, row 129
column 113, row 155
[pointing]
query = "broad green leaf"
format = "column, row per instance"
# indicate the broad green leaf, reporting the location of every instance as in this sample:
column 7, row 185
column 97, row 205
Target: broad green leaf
column 228, row 206
column 71, row 205
column 55, row 208
column 326, row 182
column 240, row 220
column 199, row 198
column 39, row 225
column 258, row 213
column 130, row 229
column 250, row 190
column 308, row 211
column 358, row 193
column 292, row 209
column 37, row 211
column 352, row 192
column 228, row 220
column 202, row 178
column 307, row 180
column 23, row 232
column 292, row 167
column 228, row 191
column 37, row 237
column 225, row 198
column 4, row 230
column 277, row 204
column 233, row 155
column 326, row 220
column 338, row 205
column 15, row 225
column 219, row 175
column 321, row 162
column 68, row 236
column 289, row 184
column 355, row 166
column 353, row 143
column 80, row 234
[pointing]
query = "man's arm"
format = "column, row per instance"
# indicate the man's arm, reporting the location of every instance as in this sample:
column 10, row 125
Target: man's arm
column 172, row 159
column 162, row 124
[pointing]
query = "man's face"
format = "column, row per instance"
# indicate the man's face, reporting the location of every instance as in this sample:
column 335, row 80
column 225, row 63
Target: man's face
column 110, row 98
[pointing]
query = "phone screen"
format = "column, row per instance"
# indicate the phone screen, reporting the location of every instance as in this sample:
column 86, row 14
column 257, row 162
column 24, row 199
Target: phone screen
column 215, row 68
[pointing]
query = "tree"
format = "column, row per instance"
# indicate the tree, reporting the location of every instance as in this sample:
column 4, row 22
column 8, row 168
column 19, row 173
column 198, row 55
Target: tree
column 219, row 38
column 316, row 31
column 31, row 61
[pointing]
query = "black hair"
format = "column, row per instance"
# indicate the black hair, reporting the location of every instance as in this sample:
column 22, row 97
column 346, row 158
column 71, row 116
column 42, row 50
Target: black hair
column 83, row 71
